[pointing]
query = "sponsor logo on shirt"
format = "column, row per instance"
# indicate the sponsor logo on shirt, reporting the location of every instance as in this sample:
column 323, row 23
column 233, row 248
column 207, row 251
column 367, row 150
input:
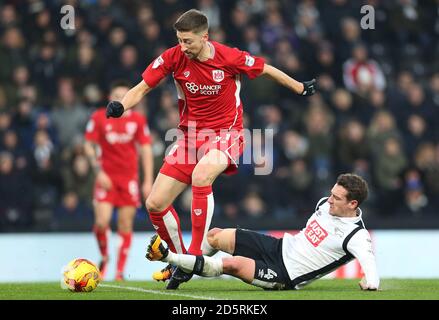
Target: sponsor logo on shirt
column 249, row 61
column 218, row 75
column 157, row 62
column 203, row 89
column 114, row 137
column 315, row 233
column 186, row 74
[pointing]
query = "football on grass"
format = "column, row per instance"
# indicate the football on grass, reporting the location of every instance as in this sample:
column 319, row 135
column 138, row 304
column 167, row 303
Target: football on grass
column 81, row 275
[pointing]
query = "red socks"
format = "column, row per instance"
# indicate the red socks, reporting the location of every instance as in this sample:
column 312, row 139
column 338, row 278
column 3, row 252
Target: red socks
column 124, row 248
column 201, row 216
column 102, row 239
column 167, row 225
column 102, row 236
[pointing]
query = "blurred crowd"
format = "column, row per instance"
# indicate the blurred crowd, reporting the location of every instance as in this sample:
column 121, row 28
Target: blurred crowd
column 376, row 113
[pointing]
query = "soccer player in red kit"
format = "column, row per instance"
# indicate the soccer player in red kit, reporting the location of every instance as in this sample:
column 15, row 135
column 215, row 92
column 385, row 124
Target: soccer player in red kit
column 207, row 77
column 116, row 167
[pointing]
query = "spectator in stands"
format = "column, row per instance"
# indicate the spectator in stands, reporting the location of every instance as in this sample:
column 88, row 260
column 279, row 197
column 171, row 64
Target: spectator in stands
column 362, row 74
column 12, row 52
column 416, row 203
column 382, row 127
column 416, row 132
column 45, row 177
column 426, row 159
column 343, row 107
column 294, row 146
column 46, row 71
column 253, row 206
column 300, row 187
column 352, row 145
column 319, row 124
column 14, row 209
column 23, row 121
column 388, row 171
column 69, row 115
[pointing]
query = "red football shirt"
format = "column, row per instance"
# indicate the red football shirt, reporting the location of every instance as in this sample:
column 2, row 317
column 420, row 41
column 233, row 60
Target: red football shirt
column 208, row 91
column 117, row 139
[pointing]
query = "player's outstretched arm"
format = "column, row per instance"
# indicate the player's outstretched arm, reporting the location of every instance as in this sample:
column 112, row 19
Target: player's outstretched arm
column 305, row 88
column 116, row 108
column 360, row 246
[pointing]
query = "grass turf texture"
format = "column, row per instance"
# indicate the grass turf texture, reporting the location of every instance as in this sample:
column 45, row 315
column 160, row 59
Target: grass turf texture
column 200, row 289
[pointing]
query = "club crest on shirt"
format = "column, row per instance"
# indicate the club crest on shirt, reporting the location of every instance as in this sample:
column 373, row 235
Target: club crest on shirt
column 186, row 74
column 218, row 75
column 131, row 127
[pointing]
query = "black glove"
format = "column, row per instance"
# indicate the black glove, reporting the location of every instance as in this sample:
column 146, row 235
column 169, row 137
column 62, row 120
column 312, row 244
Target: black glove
column 114, row 109
column 309, row 87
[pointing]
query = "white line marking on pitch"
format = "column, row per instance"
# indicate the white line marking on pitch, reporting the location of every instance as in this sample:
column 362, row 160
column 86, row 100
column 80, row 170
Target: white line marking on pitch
column 159, row 292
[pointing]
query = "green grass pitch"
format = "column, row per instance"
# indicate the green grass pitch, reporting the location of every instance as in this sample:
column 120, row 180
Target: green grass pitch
column 226, row 289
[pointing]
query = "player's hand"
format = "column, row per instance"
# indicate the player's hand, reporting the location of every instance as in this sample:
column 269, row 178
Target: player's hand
column 364, row 286
column 104, row 180
column 309, row 87
column 114, row 109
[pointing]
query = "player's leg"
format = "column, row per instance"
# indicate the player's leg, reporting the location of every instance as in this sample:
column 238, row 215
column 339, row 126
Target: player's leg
column 125, row 222
column 222, row 239
column 163, row 215
column 103, row 211
column 210, row 166
column 161, row 212
column 240, row 267
column 264, row 251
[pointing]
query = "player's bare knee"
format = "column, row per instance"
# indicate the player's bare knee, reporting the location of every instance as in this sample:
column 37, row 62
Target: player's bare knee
column 124, row 225
column 154, row 205
column 124, row 228
column 101, row 225
column 212, row 239
column 227, row 240
column 201, row 179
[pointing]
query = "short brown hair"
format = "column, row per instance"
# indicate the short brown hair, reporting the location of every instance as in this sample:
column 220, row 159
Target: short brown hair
column 355, row 185
column 192, row 21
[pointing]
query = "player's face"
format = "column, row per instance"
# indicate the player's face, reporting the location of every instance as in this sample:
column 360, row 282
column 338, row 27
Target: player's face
column 339, row 205
column 118, row 93
column 191, row 43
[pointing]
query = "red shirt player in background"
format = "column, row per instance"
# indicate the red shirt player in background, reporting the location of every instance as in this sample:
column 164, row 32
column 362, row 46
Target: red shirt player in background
column 207, row 77
column 116, row 166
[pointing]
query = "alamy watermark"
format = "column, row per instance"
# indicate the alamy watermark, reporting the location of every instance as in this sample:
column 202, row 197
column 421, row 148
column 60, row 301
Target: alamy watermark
column 368, row 20
column 68, row 20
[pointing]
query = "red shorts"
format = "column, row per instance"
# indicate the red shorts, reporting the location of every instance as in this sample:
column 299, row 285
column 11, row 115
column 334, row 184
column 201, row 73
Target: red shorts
column 186, row 152
column 124, row 192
